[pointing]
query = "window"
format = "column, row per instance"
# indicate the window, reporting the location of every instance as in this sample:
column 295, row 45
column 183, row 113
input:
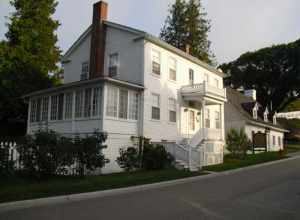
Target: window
column 54, row 108
column 79, row 104
column 84, row 71
column 112, row 102
column 172, row 69
column 33, row 110
column 155, row 107
column 45, row 107
column 87, row 102
column 69, row 105
column 96, row 101
column 207, row 118
column 38, row 110
column 254, row 113
column 123, row 103
column 192, row 120
column 279, row 141
column 191, row 76
column 60, row 109
column 113, row 64
column 133, row 105
column 155, row 62
column 172, row 110
column 274, row 140
column 217, row 120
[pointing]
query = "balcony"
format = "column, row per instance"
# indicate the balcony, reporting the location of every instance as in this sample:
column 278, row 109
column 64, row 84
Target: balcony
column 193, row 92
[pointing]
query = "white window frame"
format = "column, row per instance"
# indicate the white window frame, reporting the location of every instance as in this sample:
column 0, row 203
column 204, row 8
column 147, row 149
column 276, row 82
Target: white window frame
column 172, row 106
column 123, row 110
column 155, row 106
column 79, row 104
column 154, row 61
column 68, row 110
column 217, row 120
column 96, row 101
column 113, row 104
column 85, row 68
column 133, row 105
column 54, row 107
column 113, row 64
column 45, row 109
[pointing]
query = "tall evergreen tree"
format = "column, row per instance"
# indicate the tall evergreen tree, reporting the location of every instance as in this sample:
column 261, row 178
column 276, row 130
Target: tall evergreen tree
column 187, row 24
column 26, row 59
column 173, row 31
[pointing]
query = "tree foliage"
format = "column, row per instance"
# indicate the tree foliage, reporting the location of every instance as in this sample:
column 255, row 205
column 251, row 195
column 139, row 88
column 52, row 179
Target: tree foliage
column 26, row 59
column 273, row 71
column 237, row 143
column 187, row 24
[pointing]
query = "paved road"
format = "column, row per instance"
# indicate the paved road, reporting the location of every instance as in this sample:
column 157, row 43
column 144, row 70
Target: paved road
column 271, row 192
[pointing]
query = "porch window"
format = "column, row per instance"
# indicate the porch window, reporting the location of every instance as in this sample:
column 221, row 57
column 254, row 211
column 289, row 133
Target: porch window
column 113, row 64
column 60, row 107
column 172, row 69
column 217, row 120
column 45, row 107
column 87, row 102
column 54, row 108
column 79, row 104
column 172, row 110
column 112, row 102
column 155, row 62
column 155, row 107
column 69, row 105
column 207, row 118
column 192, row 120
column 123, row 103
column 84, row 71
column 33, row 110
column 191, row 76
column 96, row 101
column 133, row 105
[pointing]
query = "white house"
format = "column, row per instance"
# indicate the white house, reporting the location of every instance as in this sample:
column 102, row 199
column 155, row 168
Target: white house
column 242, row 111
column 128, row 83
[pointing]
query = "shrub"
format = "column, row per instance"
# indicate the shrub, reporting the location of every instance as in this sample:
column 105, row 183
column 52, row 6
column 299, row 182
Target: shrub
column 129, row 159
column 146, row 156
column 237, row 143
column 46, row 153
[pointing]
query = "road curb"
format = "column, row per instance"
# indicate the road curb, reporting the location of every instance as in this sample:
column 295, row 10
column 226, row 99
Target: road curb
column 10, row 206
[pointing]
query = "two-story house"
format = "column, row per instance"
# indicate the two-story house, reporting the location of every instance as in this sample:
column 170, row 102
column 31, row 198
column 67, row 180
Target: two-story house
column 127, row 83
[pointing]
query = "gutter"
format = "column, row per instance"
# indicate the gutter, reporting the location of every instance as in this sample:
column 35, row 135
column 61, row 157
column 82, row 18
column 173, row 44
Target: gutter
column 269, row 126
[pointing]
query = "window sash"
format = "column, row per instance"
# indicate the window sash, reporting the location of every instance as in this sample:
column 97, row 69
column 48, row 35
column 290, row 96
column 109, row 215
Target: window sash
column 79, row 104
column 96, row 101
column 133, row 105
column 84, row 70
column 33, row 108
column 45, row 108
column 54, row 108
column 191, row 76
column 155, row 113
column 112, row 102
column 217, row 120
column 69, row 106
column 87, row 102
column 123, row 103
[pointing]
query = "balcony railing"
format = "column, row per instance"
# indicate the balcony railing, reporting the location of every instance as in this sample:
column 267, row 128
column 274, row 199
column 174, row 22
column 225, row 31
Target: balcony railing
column 203, row 89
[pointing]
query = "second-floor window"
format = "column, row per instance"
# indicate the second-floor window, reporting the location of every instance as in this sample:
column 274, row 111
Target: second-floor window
column 113, row 64
column 191, row 76
column 172, row 69
column 155, row 108
column 172, row 110
column 84, row 71
column 155, row 62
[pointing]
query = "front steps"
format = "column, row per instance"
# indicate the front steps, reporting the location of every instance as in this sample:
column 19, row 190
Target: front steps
column 182, row 165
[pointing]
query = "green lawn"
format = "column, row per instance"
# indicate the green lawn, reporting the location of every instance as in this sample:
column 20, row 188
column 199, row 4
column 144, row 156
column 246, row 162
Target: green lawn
column 14, row 189
column 230, row 163
column 293, row 147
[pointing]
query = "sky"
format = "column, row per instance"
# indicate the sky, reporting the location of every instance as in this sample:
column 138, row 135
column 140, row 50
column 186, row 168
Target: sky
column 238, row 26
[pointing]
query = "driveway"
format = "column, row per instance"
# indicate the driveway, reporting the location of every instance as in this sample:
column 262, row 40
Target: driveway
column 270, row 192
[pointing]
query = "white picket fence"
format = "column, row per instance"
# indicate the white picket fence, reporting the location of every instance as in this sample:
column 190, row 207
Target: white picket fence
column 12, row 154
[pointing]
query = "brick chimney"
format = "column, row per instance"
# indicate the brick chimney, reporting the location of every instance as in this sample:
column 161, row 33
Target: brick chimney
column 98, row 38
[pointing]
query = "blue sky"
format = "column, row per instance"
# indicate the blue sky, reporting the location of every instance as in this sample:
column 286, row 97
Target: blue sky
column 237, row 25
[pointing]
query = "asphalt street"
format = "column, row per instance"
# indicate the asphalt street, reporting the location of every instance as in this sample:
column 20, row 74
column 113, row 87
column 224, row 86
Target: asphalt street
column 270, row 192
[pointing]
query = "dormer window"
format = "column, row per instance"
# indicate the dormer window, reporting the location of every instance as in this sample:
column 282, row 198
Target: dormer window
column 266, row 115
column 113, row 64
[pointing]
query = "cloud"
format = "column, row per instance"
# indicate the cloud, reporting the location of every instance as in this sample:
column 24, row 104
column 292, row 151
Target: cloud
column 237, row 25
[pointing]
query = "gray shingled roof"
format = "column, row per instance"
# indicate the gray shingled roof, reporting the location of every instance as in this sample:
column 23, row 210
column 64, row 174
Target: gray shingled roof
column 245, row 104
